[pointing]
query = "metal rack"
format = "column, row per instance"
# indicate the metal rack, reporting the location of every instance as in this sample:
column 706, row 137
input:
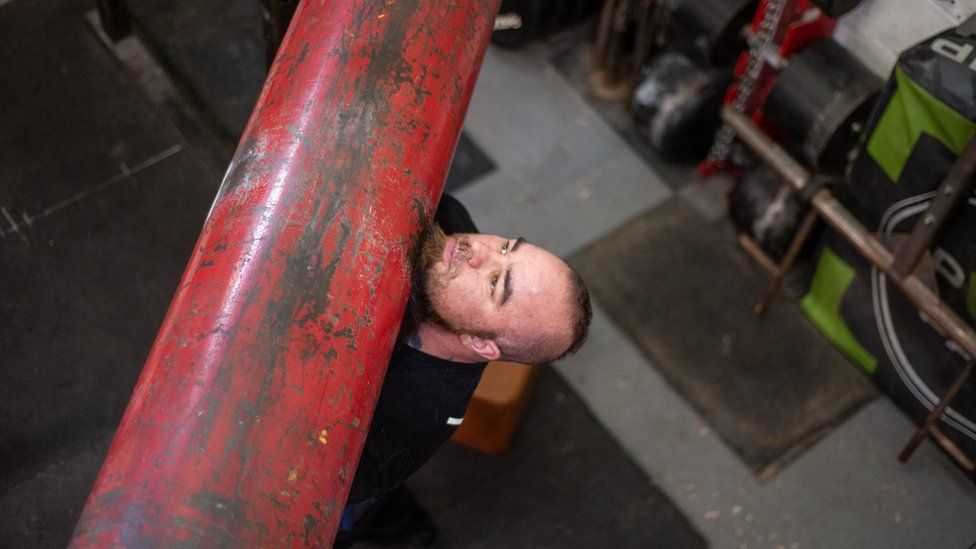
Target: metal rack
column 898, row 265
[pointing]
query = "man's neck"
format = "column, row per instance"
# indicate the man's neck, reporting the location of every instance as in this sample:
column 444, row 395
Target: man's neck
column 436, row 341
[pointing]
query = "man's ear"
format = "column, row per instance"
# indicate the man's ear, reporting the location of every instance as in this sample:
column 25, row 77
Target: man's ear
column 486, row 348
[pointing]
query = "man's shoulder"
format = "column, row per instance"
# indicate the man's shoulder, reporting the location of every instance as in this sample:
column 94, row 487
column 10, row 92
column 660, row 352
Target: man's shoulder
column 405, row 352
column 411, row 365
column 408, row 358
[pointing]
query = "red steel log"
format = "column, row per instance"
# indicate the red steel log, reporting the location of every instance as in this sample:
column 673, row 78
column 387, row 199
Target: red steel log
column 247, row 423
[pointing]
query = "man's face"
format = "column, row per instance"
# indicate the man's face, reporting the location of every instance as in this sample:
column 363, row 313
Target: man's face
column 484, row 284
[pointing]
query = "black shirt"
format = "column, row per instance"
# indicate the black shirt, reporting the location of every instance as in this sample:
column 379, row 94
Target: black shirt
column 422, row 402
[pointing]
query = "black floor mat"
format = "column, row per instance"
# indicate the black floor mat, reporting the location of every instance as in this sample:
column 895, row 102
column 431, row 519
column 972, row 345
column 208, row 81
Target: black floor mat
column 469, row 164
column 215, row 48
column 564, row 483
column 41, row 512
column 769, row 386
column 101, row 204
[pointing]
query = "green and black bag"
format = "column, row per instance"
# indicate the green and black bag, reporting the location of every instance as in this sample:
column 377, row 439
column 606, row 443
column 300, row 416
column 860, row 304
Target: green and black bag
column 922, row 121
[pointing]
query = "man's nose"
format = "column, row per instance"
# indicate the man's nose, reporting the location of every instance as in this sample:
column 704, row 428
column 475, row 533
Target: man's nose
column 480, row 255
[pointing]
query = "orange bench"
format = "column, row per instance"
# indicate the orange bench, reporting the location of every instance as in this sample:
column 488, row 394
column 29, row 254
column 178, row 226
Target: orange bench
column 496, row 407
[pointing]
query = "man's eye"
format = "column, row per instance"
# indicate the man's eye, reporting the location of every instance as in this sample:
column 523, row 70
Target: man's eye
column 505, row 248
column 494, row 281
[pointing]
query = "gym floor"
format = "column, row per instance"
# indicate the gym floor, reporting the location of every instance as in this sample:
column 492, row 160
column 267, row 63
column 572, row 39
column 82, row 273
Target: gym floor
column 566, row 179
column 610, row 452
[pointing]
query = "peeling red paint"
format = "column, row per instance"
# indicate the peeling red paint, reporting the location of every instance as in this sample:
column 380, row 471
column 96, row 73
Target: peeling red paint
column 254, row 402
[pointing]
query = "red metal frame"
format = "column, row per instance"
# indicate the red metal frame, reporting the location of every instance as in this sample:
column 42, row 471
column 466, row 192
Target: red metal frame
column 247, row 423
column 805, row 24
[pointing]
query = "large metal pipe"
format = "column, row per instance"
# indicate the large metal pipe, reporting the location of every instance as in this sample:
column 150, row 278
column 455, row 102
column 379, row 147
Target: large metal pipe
column 247, row 423
column 841, row 220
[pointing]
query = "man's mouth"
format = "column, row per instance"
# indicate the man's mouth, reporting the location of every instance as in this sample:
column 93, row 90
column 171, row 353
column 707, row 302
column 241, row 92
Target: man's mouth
column 449, row 251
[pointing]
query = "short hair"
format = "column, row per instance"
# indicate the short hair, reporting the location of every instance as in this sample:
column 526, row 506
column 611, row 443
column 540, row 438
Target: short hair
column 583, row 313
column 536, row 348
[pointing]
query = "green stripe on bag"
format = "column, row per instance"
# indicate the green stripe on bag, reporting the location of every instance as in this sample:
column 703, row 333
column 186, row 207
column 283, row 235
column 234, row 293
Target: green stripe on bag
column 911, row 112
column 822, row 306
column 971, row 300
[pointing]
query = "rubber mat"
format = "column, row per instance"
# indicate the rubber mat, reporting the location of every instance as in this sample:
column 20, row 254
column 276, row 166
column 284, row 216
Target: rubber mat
column 469, row 164
column 564, row 482
column 215, row 48
column 769, row 386
column 101, row 202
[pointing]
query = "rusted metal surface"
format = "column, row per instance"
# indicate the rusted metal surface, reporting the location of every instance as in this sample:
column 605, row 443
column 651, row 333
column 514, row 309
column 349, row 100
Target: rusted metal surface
column 758, row 254
column 783, row 268
column 929, row 426
column 247, row 423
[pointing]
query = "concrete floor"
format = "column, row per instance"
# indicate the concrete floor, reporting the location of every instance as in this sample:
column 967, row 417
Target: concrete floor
column 565, row 180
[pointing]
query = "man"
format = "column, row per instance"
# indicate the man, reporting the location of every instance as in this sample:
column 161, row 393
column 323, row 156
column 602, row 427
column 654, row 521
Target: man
column 474, row 298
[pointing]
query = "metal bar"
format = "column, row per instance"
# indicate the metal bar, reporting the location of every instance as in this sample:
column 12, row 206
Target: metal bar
column 951, row 448
column 837, row 216
column 604, row 34
column 796, row 175
column 247, row 423
column 609, row 79
column 757, row 253
column 771, row 153
column 809, row 222
column 954, row 189
column 928, row 426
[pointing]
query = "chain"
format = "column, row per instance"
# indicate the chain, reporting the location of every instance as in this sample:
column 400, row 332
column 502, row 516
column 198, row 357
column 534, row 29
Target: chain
column 762, row 41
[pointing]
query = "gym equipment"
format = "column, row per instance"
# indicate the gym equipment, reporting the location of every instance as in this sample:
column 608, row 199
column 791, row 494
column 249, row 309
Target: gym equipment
column 676, row 102
column 780, row 28
column 249, row 418
column 761, row 207
column 522, row 21
column 518, row 23
column 819, row 104
column 711, row 30
column 937, row 313
column 912, row 180
column 676, row 105
column 628, row 33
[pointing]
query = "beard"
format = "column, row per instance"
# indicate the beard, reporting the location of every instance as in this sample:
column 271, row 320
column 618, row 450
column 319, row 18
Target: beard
column 424, row 282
